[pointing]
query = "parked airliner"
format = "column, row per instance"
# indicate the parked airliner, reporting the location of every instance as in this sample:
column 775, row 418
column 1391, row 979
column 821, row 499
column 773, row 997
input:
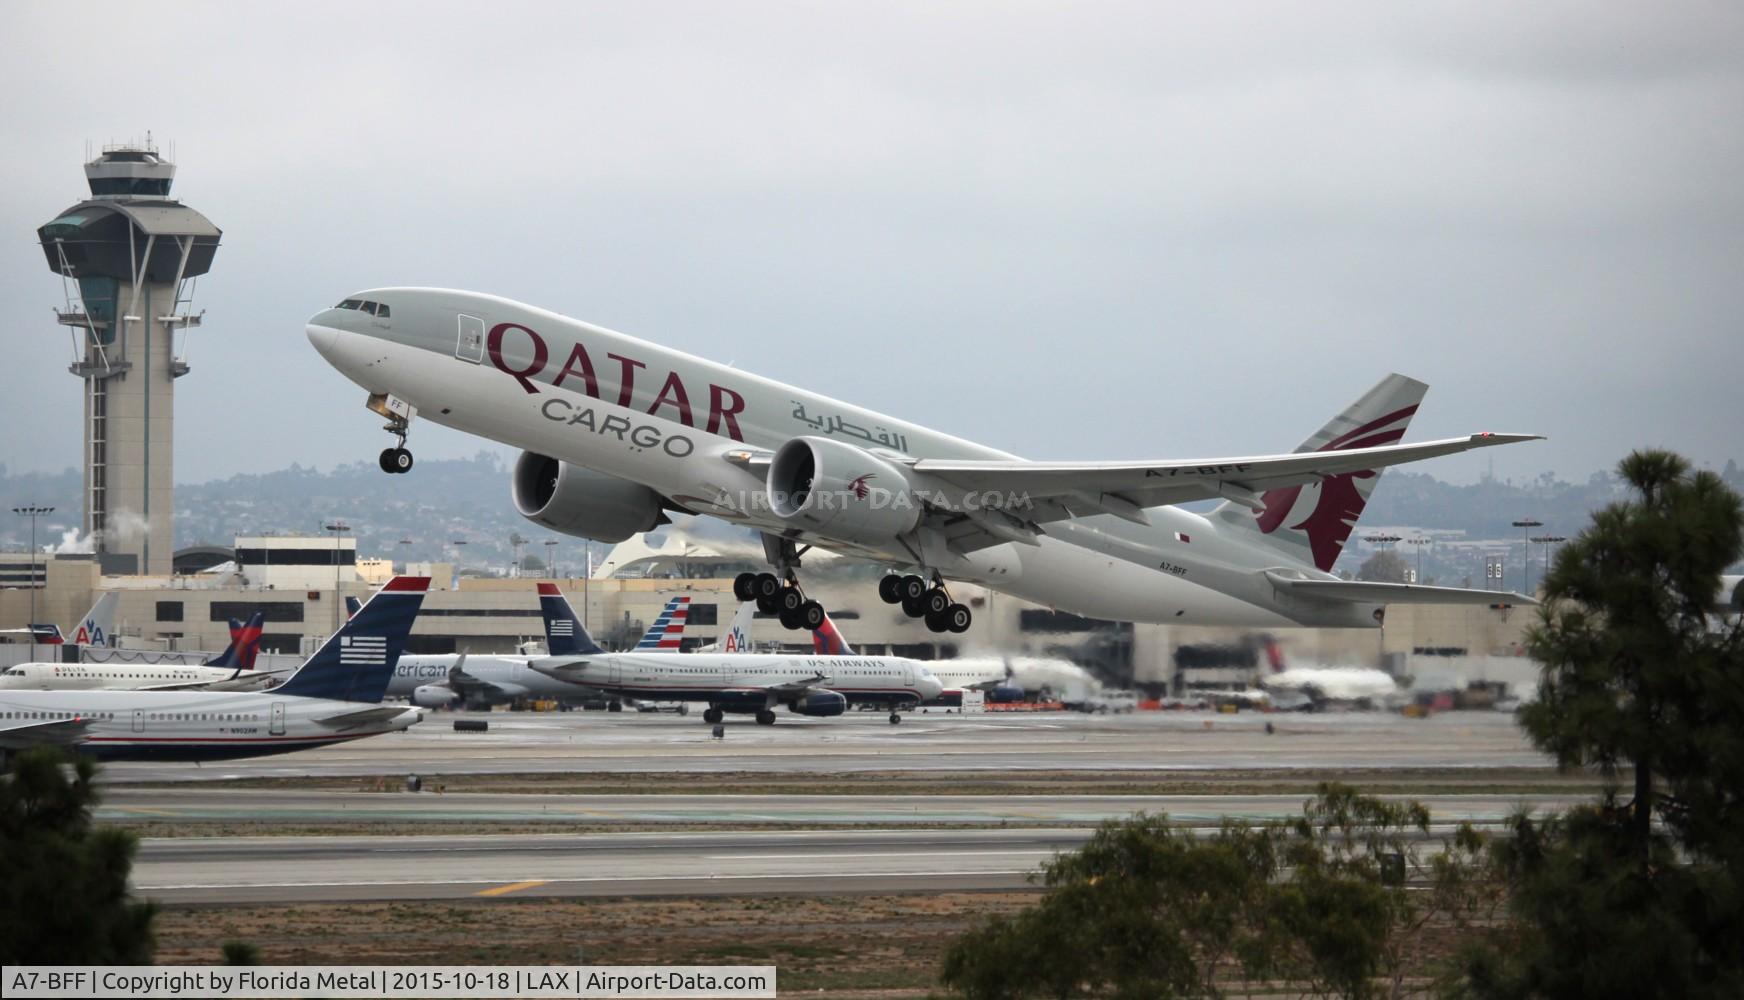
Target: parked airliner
column 748, row 683
column 232, row 669
column 619, row 431
column 447, row 680
column 333, row 697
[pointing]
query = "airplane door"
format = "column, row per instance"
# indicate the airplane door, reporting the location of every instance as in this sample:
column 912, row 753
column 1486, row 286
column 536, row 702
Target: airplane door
column 907, row 675
column 138, row 721
column 617, row 672
column 278, row 719
column 470, row 346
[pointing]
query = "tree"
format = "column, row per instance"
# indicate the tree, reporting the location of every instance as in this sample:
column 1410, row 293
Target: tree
column 1382, row 567
column 1148, row 910
column 63, row 883
column 1637, row 680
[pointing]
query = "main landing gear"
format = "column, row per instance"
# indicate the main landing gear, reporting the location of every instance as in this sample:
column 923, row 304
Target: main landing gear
column 933, row 604
column 781, row 598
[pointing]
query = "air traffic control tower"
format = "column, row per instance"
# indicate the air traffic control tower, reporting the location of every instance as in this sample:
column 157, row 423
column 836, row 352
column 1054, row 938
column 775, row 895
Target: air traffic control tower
column 128, row 258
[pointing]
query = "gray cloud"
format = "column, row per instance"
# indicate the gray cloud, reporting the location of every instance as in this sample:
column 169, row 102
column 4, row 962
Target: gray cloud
column 1086, row 230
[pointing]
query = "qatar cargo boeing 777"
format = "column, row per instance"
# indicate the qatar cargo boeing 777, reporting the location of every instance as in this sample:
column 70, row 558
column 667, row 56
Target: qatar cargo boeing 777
column 617, row 432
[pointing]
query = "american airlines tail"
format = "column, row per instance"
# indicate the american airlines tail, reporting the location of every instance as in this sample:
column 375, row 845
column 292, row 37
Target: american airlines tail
column 1310, row 524
column 97, row 628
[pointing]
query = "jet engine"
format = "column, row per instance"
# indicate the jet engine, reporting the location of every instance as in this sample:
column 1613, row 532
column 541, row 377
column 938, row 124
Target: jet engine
column 434, row 696
column 841, row 491
column 582, row 502
column 821, row 703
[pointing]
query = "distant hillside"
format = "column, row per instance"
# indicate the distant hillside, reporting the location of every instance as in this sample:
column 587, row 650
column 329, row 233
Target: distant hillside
column 440, row 501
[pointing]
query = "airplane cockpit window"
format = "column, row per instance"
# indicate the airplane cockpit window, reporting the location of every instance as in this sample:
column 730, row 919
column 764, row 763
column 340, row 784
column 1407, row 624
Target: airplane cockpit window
column 351, row 304
column 381, row 310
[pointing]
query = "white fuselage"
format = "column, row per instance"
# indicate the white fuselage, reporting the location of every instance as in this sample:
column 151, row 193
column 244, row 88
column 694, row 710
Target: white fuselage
column 667, row 420
column 194, row 724
column 748, row 678
column 508, row 676
column 107, row 677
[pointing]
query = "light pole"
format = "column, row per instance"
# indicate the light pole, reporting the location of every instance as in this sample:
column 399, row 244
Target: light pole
column 1526, row 525
column 1547, row 541
column 405, row 547
column 551, row 558
column 1385, row 541
column 338, row 527
column 515, row 543
column 1419, row 542
column 32, row 511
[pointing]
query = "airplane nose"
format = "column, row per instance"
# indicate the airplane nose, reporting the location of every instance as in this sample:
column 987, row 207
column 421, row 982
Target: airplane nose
column 324, row 338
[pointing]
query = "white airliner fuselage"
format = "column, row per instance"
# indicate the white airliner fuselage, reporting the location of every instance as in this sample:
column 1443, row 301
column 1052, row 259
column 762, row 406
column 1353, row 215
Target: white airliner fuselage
column 99, row 676
column 1099, row 539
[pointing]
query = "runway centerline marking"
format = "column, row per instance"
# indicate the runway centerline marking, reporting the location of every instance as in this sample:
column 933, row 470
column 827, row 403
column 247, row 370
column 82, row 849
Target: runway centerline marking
column 504, row 890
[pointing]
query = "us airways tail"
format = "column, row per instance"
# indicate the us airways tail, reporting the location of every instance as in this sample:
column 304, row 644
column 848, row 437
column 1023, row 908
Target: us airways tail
column 1311, row 523
column 564, row 633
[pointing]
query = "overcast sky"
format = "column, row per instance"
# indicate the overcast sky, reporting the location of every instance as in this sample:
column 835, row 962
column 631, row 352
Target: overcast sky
column 1067, row 230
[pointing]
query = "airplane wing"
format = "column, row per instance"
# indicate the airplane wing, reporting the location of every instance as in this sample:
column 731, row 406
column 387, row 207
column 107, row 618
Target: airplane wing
column 1126, row 488
column 568, row 670
column 461, row 681
column 241, row 680
column 1016, row 498
column 795, row 687
column 362, row 717
column 58, row 732
column 1364, row 592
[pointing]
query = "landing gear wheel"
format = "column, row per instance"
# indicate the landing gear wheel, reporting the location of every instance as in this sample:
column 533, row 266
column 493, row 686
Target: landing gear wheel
column 938, row 623
column 765, row 718
column 767, row 585
column 712, row 715
column 937, row 602
column 890, row 589
column 895, row 719
column 745, row 586
column 791, row 620
column 395, row 460
column 958, row 618
column 913, row 607
column 911, row 587
column 790, row 600
column 616, row 706
column 683, row 709
column 811, row 615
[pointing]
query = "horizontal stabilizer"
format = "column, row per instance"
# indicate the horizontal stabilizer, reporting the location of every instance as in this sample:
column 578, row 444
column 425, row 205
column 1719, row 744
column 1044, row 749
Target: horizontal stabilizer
column 57, row 733
column 363, row 717
column 1363, row 592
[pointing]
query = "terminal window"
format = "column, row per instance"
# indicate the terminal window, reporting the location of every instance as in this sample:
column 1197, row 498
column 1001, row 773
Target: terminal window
column 273, row 611
column 169, row 611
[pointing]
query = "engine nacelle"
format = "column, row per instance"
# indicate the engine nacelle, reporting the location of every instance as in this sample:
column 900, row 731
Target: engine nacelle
column 821, row 703
column 434, row 696
column 841, row 491
column 582, row 502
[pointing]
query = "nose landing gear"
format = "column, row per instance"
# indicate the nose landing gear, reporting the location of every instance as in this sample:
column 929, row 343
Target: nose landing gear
column 932, row 604
column 396, row 460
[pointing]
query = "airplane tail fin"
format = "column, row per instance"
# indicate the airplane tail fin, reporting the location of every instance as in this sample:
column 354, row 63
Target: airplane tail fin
column 737, row 638
column 45, row 635
column 667, row 632
column 356, row 663
column 352, row 606
column 1311, row 523
column 828, row 641
column 97, row 628
column 564, row 633
column 244, row 644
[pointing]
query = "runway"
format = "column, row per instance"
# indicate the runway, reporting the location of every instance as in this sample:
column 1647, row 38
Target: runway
column 863, row 742
column 291, row 807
